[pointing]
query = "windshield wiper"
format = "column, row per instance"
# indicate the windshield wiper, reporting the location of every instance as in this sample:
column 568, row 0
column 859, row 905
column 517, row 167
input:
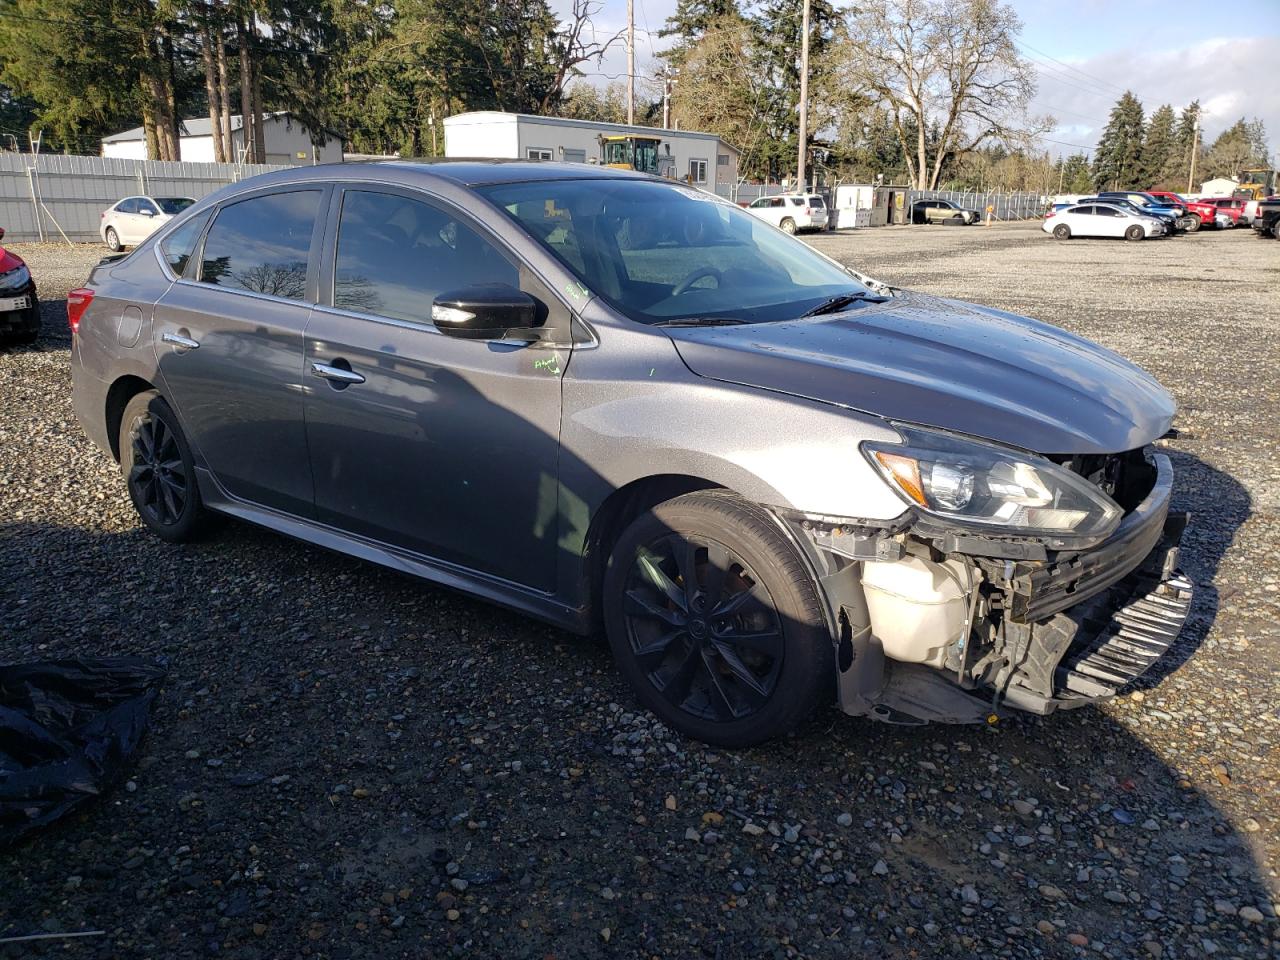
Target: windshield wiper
column 844, row 300
column 700, row 322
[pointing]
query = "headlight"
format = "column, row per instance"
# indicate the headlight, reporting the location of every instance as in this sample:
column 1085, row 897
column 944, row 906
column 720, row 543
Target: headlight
column 990, row 486
column 17, row 277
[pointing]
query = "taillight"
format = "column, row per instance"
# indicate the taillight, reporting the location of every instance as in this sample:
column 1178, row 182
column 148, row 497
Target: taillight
column 808, row 212
column 78, row 301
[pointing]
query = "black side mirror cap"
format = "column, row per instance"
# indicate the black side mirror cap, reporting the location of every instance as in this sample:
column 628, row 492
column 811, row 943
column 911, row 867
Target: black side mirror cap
column 484, row 312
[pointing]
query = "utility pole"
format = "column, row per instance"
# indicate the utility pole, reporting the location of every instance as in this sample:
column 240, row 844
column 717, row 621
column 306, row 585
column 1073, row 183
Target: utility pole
column 667, row 84
column 804, row 95
column 1195, row 152
column 631, row 61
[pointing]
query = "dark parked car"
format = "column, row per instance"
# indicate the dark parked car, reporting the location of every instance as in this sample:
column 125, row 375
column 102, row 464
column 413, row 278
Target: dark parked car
column 1266, row 219
column 19, row 308
column 609, row 400
column 942, row 211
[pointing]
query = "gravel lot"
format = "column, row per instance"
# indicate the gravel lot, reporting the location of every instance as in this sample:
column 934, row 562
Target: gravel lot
column 346, row 763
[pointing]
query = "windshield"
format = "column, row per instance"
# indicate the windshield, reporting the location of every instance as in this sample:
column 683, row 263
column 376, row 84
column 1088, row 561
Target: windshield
column 660, row 252
column 173, row 205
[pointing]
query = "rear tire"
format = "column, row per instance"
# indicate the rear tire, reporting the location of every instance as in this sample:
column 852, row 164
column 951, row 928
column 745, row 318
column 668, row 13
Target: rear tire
column 788, row 225
column 113, row 240
column 715, row 622
column 159, row 470
column 1062, row 232
column 1135, row 233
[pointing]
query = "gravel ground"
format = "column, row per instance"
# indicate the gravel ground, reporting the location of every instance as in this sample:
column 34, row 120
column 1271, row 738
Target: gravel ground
column 346, row 763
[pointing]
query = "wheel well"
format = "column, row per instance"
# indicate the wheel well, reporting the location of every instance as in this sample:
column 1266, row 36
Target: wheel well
column 615, row 515
column 118, row 397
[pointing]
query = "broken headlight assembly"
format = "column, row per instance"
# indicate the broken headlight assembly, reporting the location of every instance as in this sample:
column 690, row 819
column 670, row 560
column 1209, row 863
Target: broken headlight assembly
column 993, row 489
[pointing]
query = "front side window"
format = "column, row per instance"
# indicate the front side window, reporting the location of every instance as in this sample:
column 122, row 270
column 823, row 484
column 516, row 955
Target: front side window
column 128, row 205
column 178, row 246
column 395, row 255
column 147, row 207
column 660, row 252
column 173, row 205
column 1107, row 211
column 261, row 244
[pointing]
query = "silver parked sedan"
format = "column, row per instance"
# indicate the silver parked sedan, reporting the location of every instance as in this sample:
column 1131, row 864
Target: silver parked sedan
column 610, row 400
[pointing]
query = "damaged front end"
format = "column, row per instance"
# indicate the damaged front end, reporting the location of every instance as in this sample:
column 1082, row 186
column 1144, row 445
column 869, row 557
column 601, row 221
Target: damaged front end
column 952, row 623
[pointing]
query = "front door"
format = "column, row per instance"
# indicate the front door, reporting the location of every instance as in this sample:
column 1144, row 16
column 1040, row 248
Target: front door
column 443, row 447
column 230, row 346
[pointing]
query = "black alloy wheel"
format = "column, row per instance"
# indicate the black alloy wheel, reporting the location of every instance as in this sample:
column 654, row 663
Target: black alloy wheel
column 157, row 474
column 159, row 469
column 703, row 627
column 715, row 621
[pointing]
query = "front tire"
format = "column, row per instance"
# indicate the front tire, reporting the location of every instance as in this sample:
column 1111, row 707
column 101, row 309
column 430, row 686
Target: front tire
column 113, row 240
column 1193, row 223
column 715, row 621
column 159, row 470
column 1135, row 233
column 1062, row 232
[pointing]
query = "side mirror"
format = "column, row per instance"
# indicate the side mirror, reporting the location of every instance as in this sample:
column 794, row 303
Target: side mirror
column 147, row 212
column 483, row 312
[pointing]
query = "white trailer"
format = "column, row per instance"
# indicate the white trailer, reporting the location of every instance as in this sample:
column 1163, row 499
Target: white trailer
column 702, row 159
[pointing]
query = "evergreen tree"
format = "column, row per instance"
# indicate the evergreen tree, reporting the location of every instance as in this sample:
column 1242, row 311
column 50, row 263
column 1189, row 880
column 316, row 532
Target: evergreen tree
column 1117, row 162
column 1177, row 170
column 1158, row 147
column 690, row 23
column 1073, row 174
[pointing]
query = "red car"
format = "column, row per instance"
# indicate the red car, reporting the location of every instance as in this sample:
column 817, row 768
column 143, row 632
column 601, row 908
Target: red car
column 1233, row 207
column 19, row 308
column 1201, row 208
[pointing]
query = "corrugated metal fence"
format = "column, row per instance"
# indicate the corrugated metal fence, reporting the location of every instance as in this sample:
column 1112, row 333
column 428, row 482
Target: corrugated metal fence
column 55, row 197
column 1008, row 206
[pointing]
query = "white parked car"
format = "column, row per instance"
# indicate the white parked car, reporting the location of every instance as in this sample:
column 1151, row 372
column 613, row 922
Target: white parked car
column 1101, row 220
column 792, row 212
column 133, row 219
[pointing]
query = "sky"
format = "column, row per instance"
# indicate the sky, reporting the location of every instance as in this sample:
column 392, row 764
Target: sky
column 1086, row 53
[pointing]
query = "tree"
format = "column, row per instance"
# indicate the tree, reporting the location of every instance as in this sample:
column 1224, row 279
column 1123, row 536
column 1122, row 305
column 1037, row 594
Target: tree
column 584, row 101
column 950, row 61
column 1158, row 148
column 691, row 22
column 1240, row 146
column 1177, row 171
column 718, row 91
column 1117, row 161
column 1073, row 174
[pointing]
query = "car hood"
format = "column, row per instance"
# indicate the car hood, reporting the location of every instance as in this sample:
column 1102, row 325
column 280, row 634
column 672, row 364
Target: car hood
column 946, row 364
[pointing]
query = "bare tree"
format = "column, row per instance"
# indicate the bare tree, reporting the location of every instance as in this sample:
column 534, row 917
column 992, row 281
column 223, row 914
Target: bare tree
column 949, row 72
column 574, row 44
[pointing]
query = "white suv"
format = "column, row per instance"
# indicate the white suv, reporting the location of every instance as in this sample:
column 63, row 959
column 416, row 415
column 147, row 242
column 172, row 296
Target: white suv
column 792, row 211
column 131, row 220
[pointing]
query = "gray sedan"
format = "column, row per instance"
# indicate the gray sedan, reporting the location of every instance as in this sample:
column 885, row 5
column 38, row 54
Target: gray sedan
column 619, row 403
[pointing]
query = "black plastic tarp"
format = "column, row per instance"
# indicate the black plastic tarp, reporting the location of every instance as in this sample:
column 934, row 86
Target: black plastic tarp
column 68, row 729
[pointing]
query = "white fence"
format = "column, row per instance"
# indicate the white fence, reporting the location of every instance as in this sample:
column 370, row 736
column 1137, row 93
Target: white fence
column 55, row 197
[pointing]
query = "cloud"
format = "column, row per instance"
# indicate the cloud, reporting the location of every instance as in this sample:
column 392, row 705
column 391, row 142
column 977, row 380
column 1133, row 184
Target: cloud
column 1228, row 75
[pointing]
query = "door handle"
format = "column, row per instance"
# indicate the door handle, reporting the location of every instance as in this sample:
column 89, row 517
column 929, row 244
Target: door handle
column 340, row 375
column 178, row 340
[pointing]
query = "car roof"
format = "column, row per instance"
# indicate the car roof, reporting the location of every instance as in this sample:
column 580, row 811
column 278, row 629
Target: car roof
column 464, row 172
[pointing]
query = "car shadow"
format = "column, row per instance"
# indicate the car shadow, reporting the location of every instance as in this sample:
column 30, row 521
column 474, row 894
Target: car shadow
column 54, row 334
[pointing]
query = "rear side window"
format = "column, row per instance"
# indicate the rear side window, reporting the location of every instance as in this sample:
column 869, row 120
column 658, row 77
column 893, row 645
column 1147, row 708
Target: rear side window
column 797, row 201
column 178, row 246
column 396, row 255
column 261, row 244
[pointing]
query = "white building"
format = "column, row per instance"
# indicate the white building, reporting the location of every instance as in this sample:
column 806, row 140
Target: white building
column 702, row 159
column 285, row 140
column 1219, row 187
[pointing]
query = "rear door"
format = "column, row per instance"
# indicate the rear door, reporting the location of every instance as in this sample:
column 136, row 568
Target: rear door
column 229, row 340
column 440, row 446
